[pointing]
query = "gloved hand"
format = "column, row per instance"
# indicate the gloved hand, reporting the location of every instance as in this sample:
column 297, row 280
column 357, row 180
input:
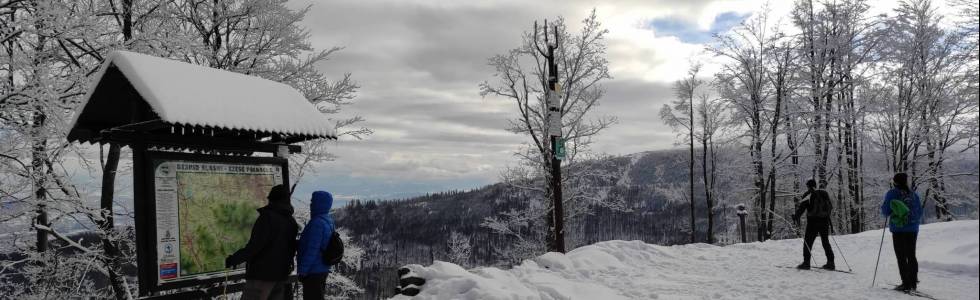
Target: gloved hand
column 230, row 261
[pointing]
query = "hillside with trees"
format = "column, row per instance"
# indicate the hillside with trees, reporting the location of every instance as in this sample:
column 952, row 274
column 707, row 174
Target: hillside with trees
column 453, row 226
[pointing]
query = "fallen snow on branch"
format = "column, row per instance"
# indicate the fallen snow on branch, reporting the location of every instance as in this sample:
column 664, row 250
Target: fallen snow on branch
column 947, row 252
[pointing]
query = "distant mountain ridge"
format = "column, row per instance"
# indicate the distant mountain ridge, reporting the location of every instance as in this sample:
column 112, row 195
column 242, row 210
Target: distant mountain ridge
column 653, row 184
column 415, row 230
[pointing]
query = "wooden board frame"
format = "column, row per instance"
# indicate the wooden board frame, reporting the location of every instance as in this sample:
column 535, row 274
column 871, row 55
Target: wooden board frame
column 144, row 200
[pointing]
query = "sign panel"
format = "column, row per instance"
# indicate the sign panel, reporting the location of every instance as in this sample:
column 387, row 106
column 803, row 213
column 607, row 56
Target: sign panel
column 201, row 210
column 554, row 115
column 559, row 148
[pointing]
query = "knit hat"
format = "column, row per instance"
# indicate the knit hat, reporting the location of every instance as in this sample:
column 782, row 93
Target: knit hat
column 279, row 193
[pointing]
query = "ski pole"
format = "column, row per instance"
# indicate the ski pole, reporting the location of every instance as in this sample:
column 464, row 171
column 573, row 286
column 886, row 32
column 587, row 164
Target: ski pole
column 841, row 254
column 880, row 244
column 838, row 247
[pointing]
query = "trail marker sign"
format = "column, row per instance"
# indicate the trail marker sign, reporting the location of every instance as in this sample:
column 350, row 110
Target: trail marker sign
column 559, row 148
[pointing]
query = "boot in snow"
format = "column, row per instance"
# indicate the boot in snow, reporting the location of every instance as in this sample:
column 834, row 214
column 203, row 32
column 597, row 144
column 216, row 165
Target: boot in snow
column 828, row 266
column 902, row 288
column 803, row 266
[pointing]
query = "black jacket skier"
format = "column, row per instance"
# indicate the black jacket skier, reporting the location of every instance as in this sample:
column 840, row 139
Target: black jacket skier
column 818, row 210
column 270, row 249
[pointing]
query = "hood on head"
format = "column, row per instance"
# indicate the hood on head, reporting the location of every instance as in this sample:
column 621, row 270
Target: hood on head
column 321, row 203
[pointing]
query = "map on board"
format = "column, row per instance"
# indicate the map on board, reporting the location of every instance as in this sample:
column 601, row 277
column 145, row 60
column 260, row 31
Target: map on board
column 205, row 212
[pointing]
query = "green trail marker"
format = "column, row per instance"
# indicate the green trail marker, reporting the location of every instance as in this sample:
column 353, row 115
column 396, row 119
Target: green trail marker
column 560, row 149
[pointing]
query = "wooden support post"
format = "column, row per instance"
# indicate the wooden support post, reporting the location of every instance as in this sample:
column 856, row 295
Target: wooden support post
column 741, row 220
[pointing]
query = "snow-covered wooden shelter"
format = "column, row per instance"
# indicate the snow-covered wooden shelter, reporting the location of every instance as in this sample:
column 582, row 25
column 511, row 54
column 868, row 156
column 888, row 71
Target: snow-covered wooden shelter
column 180, row 118
column 150, row 100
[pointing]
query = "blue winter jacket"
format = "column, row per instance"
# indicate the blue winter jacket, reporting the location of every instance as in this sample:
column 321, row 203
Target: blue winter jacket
column 315, row 236
column 915, row 210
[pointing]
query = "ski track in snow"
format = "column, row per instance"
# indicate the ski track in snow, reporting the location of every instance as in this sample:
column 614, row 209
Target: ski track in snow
column 947, row 254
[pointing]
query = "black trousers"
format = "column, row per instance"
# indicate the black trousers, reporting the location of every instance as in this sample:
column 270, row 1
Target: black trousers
column 908, row 266
column 313, row 286
column 815, row 226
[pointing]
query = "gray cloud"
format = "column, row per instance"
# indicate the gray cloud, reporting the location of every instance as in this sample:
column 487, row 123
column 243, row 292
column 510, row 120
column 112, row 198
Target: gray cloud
column 419, row 64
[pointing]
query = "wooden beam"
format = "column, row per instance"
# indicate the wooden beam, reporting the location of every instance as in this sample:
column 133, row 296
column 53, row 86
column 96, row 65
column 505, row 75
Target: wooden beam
column 143, row 126
column 193, row 142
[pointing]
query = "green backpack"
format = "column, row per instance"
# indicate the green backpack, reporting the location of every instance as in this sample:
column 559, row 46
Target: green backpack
column 900, row 212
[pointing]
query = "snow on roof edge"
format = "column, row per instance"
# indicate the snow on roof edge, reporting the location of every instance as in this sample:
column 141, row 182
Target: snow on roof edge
column 302, row 117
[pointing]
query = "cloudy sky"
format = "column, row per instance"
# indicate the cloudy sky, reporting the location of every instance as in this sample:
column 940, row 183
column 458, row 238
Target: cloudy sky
column 419, row 64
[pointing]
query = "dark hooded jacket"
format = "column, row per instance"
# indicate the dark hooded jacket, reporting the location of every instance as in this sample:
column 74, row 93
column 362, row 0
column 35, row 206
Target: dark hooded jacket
column 272, row 245
column 315, row 236
column 818, row 206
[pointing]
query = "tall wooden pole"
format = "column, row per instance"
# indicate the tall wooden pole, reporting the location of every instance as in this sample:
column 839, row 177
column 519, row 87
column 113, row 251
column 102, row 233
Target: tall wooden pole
column 555, row 151
column 554, row 123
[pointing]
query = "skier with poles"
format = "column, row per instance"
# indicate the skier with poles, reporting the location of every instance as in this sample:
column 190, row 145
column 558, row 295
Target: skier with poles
column 904, row 212
column 818, row 209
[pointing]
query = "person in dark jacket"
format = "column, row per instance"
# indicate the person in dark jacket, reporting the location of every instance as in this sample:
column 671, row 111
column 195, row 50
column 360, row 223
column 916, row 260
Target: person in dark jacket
column 818, row 209
column 270, row 249
column 311, row 269
column 904, row 212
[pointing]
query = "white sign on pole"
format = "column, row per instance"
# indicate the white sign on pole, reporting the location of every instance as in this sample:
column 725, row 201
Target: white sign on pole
column 554, row 115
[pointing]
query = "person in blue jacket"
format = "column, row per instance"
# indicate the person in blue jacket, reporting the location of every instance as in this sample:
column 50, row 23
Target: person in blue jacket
column 311, row 268
column 904, row 212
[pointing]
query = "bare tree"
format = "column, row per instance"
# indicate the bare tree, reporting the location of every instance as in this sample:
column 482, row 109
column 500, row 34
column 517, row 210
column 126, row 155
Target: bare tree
column 520, row 77
column 935, row 99
column 45, row 55
column 263, row 38
column 684, row 90
column 743, row 82
column 48, row 50
column 458, row 249
column 712, row 115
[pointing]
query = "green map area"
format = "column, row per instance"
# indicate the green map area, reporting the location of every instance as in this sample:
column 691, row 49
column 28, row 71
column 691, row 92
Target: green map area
column 217, row 211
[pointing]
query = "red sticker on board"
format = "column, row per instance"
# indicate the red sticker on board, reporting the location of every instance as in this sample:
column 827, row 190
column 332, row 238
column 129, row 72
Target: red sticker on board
column 168, row 271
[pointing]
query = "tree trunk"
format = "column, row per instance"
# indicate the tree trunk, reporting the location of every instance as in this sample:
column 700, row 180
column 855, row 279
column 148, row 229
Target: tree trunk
column 39, row 158
column 756, row 153
column 851, row 155
column 707, row 187
column 690, row 135
column 794, row 158
column 112, row 257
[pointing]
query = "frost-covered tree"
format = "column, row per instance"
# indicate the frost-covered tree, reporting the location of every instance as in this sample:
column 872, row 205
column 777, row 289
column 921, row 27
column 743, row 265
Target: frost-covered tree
column 932, row 99
column 849, row 99
column 458, row 249
column 48, row 50
column 520, row 77
column 711, row 114
column 340, row 285
column 743, row 83
column 264, row 38
column 44, row 64
column 684, row 90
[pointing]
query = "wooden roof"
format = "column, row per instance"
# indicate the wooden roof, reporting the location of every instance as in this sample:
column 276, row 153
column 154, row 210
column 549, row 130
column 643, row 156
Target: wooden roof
column 140, row 98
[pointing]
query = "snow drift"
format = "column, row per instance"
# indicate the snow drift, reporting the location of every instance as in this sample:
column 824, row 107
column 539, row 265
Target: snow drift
column 947, row 253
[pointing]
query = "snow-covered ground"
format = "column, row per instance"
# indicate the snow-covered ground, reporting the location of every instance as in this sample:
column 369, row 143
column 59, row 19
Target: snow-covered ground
column 947, row 253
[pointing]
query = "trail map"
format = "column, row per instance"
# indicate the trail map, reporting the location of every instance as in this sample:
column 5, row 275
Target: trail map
column 205, row 212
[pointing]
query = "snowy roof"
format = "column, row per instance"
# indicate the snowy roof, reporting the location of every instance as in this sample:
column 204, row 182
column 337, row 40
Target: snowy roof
column 184, row 94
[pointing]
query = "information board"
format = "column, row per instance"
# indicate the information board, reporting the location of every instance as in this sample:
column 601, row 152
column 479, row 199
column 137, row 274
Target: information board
column 203, row 209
